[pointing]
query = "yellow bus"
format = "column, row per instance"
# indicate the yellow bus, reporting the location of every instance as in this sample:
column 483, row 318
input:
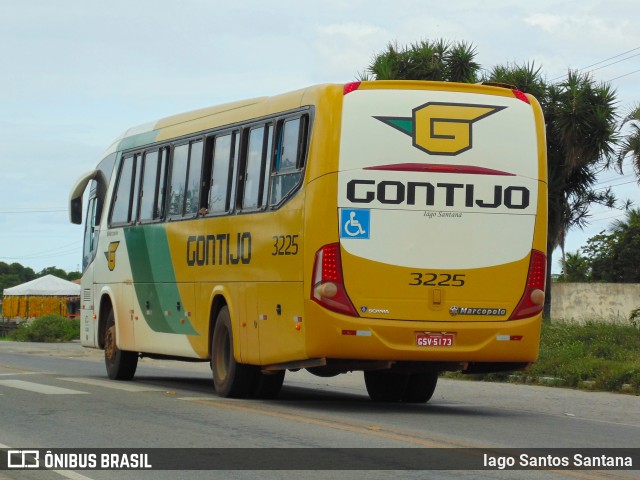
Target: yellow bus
column 395, row 228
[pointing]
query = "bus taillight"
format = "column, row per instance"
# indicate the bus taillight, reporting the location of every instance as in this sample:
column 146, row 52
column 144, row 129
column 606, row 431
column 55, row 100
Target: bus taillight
column 520, row 96
column 350, row 87
column 532, row 300
column 328, row 286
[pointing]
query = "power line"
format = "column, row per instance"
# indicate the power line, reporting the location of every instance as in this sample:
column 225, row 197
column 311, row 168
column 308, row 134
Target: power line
column 615, row 185
column 617, row 177
column 594, row 220
column 613, row 63
column 610, row 58
column 625, row 75
column 63, row 253
column 602, row 61
column 33, row 211
column 52, row 252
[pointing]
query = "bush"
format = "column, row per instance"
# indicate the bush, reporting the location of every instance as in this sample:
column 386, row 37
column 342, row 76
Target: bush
column 48, row 328
column 595, row 356
column 606, row 356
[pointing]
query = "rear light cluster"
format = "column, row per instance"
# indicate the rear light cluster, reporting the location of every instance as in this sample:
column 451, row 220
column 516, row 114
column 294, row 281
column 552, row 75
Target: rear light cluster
column 328, row 285
column 521, row 96
column 532, row 300
column 350, row 87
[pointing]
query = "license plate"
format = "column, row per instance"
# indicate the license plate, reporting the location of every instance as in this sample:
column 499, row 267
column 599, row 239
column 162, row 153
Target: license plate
column 434, row 339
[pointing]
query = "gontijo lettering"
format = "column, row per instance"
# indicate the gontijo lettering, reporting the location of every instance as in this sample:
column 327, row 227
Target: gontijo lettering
column 442, row 194
column 217, row 249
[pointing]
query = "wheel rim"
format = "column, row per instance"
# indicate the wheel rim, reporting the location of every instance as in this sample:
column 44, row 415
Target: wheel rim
column 110, row 344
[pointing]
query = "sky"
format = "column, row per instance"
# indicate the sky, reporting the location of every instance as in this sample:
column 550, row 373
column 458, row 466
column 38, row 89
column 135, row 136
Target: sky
column 75, row 74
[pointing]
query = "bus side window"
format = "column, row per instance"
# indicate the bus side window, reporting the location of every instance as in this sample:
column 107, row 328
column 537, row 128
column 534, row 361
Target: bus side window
column 220, row 180
column 179, row 165
column 234, row 171
column 255, row 175
column 121, row 210
column 194, row 177
column 149, row 182
column 186, row 173
column 135, row 196
column 90, row 232
column 289, row 158
column 161, row 186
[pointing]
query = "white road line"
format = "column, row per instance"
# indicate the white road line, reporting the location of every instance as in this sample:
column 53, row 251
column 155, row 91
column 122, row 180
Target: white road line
column 71, row 475
column 20, row 373
column 126, row 386
column 38, row 387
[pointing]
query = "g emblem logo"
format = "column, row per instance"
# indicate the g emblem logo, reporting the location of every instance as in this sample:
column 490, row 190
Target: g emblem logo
column 111, row 255
column 441, row 128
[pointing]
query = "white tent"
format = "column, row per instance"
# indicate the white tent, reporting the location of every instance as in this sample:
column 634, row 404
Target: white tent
column 41, row 296
column 45, row 286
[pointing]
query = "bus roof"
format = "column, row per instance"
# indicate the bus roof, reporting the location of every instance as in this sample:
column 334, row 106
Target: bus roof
column 186, row 123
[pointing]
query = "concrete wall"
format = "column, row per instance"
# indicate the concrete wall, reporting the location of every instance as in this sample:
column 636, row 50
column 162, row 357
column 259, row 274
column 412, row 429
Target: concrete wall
column 580, row 302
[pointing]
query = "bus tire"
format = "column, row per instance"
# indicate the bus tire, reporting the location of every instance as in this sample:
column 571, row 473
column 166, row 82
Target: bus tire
column 268, row 385
column 121, row 365
column 420, row 387
column 385, row 386
column 230, row 378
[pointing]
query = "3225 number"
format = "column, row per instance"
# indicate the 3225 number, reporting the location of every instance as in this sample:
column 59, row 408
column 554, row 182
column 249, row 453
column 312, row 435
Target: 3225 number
column 437, row 279
column 285, row 245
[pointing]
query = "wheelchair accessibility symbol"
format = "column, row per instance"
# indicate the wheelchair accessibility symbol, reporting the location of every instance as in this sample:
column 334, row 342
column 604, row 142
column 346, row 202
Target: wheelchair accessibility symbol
column 355, row 223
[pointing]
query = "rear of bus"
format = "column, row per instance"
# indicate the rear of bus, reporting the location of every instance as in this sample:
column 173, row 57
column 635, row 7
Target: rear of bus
column 437, row 252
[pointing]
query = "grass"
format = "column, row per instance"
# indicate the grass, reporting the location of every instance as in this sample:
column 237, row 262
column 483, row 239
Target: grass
column 593, row 356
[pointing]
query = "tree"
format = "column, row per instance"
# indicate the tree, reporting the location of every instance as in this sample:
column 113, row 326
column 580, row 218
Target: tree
column 576, row 268
column 14, row 274
column 615, row 257
column 425, row 60
column 55, row 271
column 580, row 120
column 631, row 143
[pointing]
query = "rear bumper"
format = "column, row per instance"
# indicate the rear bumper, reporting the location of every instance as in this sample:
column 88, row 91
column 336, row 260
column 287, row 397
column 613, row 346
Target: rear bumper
column 332, row 335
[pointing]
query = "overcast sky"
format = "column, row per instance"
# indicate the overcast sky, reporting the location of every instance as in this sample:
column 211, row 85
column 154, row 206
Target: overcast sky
column 74, row 74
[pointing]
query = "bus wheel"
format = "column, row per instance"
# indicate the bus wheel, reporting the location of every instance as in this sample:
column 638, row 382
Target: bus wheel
column 385, row 386
column 420, row 387
column 230, row 378
column 120, row 365
column 268, row 385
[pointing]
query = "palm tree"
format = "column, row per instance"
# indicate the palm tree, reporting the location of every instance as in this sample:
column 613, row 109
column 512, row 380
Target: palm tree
column 580, row 120
column 575, row 268
column 615, row 257
column 632, row 219
column 425, row 60
column 631, row 143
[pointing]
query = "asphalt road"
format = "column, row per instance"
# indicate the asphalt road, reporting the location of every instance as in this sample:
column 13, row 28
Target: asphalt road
column 58, row 396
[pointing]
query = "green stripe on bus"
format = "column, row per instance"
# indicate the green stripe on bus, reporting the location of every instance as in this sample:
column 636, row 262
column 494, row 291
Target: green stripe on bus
column 155, row 281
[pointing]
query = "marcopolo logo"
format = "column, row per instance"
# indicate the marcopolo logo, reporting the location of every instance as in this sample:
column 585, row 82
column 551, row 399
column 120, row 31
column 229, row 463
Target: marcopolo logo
column 442, row 128
column 489, row 312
